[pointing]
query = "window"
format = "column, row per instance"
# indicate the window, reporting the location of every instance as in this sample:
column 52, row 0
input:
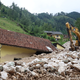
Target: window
column 57, row 35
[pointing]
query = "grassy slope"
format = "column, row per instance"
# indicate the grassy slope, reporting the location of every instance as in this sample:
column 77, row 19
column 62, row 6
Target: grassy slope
column 10, row 25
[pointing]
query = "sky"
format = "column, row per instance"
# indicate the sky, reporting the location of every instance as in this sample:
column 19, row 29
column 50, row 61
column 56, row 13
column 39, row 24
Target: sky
column 50, row 6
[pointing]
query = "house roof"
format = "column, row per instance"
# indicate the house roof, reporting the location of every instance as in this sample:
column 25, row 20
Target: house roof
column 55, row 44
column 53, row 32
column 22, row 40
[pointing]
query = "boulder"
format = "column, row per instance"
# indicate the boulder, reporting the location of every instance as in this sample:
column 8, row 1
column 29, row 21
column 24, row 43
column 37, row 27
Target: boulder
column 4, row 75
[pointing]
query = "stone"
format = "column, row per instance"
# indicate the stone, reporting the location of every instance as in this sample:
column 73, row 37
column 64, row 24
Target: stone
column 34, row 74
column 38, row 66
column 4, row 75
column 1, row 68
column 79, row 55
column 76, row 66
column 18, row 63
column 10, row 64
column 18, row 68
column 66, row 61
column 22, row 69
column 31, row 68
column 14, row 78
column 10, row 70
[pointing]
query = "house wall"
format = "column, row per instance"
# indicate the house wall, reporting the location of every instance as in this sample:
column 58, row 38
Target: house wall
column 59, row 47
column 9, row 52
column 56, row 37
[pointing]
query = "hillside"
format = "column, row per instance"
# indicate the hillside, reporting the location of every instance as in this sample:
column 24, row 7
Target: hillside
column 36, row 24
column 57, row 21
column 10, row 25
column 74, row 15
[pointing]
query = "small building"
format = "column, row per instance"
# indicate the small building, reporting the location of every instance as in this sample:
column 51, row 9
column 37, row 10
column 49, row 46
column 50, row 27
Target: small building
column 17, row 45
column 58, row 46
column 56, row 35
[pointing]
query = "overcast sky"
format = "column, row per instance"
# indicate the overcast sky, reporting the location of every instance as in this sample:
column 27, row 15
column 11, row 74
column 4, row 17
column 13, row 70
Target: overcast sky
column 50, row 6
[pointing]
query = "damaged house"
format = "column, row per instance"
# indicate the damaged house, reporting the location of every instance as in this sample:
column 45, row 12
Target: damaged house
column 17, row 45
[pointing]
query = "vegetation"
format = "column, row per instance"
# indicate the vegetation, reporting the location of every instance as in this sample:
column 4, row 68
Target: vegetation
column 10, row 25
column 62, row 40
column 78, row 23
column 35, row 24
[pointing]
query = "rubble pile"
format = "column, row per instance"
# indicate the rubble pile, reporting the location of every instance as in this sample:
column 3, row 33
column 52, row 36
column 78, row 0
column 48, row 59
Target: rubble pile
column 58, row 65
column 67, row 44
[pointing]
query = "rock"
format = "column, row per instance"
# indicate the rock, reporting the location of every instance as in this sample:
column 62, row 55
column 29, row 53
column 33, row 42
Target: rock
column 0, row 79
column 38, row 66
column 61, row 67
column 18, row 68
column 31, row 68
column 18, row 63
column 68, row 71
column 4, row 75
column 66, row 61
column 22, row 69
column 1, row 68
column 72, row 56
column 52, row 64
column 78, row 55
column 10, row 70
column 74, row 62
column 63, row 73
column 76, row 66
column 14, row 78
column 10, row 64
column 19, row 74
column 34, row 74
column 45, row 65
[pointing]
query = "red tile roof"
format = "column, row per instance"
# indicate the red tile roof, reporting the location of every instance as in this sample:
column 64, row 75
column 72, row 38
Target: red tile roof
column 26, row 41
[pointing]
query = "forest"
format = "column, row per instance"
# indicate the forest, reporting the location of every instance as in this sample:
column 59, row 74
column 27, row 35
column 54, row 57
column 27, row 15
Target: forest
column 35, row 24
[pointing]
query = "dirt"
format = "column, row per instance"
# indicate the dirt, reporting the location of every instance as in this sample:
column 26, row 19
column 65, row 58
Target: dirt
column 58, row 65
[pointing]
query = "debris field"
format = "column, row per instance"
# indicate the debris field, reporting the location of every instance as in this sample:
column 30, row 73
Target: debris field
column 58, row 65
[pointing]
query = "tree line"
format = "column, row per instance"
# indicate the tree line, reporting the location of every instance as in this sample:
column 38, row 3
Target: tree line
column 36, row 24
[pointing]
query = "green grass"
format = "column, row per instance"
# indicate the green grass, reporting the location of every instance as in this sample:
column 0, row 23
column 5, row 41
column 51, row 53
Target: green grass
column 10, row 25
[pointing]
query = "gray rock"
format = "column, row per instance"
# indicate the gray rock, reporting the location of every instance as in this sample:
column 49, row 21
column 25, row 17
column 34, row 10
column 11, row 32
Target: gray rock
column 4, row 75
column 1, row 68
column 66, row 61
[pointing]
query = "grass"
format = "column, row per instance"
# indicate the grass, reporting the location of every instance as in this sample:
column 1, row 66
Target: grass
column 62, row 40
column 10, row 25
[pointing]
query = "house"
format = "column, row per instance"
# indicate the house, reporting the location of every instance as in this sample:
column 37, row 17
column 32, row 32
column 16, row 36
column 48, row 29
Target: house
column 56, row 35
column 58, row 46
column 17, row 45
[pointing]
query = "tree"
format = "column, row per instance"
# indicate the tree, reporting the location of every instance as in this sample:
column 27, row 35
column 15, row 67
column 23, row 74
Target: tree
column 78, row 24
column 0, row 7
